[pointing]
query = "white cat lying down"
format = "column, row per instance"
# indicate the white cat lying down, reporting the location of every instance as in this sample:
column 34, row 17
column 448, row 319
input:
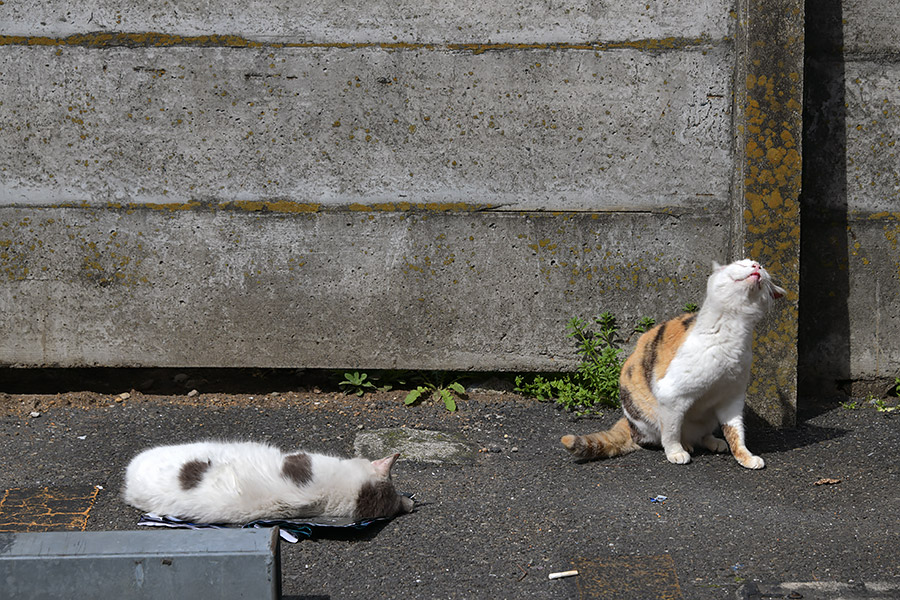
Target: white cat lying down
column 238, row 482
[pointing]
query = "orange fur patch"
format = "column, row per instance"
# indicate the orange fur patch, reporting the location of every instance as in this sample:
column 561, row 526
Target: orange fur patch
column 676, row 331
column 615, row 441
column 738, row 450
column 649, row 362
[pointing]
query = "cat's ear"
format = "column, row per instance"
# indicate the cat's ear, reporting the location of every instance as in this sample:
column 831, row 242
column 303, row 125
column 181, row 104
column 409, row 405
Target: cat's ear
column 383, row 465
column 778, row 292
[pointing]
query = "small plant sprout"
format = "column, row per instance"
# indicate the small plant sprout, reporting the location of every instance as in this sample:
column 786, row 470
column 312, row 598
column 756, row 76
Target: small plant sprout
column 644, row 325
column 690, row 307
column 438, row 390
column 882, row 407
column 359, row 383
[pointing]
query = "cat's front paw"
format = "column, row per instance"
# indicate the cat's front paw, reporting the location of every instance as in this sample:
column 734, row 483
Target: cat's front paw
column 753, row 462
column 679, row 457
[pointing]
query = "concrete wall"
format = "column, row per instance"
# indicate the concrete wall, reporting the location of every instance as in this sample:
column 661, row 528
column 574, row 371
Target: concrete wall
column 850, row 325
column 387, row 184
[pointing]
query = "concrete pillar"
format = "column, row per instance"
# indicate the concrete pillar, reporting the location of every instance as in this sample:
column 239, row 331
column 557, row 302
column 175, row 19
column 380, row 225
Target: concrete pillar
column 768, row 119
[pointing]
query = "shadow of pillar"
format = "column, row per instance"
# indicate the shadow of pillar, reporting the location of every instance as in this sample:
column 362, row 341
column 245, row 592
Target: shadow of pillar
column 824, row 335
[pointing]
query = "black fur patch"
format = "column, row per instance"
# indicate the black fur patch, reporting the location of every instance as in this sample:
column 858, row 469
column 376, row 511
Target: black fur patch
column 689, row 320
column 579, row 446
column 637, row 436
column 297, row 468
column 650, row 354
column 633, row 413
column 627, row 401
column 378, row 499
column 191, row 473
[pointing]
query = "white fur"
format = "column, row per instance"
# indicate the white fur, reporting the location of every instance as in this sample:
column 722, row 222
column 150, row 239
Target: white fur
column 243, row 483
column 706, row 382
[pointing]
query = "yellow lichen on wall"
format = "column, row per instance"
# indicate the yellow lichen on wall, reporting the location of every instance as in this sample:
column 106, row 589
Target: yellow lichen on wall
column 769, row 132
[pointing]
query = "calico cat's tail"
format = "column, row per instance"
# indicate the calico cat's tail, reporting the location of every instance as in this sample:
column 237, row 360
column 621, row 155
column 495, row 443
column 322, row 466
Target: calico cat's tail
column 615, row 441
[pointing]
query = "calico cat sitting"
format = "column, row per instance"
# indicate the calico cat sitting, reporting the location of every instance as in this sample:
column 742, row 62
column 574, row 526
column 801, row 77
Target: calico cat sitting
column 238, row 482
column 689, row 375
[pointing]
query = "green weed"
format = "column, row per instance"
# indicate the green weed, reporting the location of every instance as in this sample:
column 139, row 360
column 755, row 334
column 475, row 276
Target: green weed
column 448, row 392
column 359, row 383
column 882, row 407
column 595, row 384
column 644, row 325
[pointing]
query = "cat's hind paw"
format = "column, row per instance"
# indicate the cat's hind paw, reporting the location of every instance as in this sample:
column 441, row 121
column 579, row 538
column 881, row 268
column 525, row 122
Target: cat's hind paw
column 680, row 457
column 753, row 462
column 714, row 444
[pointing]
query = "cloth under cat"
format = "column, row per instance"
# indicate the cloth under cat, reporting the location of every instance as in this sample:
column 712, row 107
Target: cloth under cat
column 240, row 482
column 689, row 375
column 290, row 530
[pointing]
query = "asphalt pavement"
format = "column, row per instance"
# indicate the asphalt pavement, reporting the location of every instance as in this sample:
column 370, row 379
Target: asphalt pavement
column 509, row 506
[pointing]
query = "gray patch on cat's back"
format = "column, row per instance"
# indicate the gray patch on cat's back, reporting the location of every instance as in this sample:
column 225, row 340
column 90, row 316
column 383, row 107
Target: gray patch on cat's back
column 191, row 473
column 297, row 468
column 420, row 445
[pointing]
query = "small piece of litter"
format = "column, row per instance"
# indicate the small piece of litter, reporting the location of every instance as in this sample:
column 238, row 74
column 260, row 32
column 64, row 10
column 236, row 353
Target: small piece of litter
column 34, row 414
column 123, row 396
column 659, row 498
column 82, row 437
column 827, row 481
column 562, row 574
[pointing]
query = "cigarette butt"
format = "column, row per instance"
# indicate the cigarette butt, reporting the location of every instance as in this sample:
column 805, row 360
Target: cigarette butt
column 562, row 574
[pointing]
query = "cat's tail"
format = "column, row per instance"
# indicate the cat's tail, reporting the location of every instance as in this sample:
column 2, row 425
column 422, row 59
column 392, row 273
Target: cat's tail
column 615, row 441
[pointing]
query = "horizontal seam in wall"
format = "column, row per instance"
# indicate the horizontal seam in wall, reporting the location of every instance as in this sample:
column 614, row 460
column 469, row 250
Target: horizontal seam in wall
column 163, row 40
column 287, row 207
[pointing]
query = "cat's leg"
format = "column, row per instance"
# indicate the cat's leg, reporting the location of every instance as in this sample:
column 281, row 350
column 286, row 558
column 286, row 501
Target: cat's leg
column 671, row 420
column 734, row 433
column 715, row 444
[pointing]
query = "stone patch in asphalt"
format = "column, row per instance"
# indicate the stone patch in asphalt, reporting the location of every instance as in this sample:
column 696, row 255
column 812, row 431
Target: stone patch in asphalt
column 820, row 590
column 628, row 578
column 419, row 445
